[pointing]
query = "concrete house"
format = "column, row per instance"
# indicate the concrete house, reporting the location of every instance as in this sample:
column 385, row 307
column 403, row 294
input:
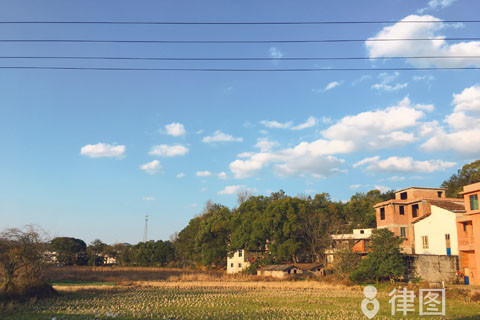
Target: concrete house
column 284, row 270
column 409, row 204
column 358, row 241
column 468, row 229
column 238, row 262
column 435, row 233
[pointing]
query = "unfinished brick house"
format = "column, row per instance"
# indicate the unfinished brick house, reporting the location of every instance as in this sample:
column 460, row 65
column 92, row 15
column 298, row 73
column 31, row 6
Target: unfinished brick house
column 410, row 204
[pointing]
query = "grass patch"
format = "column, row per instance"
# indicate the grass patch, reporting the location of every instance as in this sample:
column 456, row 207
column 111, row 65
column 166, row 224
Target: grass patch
column 82, row 283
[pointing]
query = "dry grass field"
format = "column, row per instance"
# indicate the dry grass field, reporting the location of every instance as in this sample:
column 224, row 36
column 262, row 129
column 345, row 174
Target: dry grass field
column 174, row 294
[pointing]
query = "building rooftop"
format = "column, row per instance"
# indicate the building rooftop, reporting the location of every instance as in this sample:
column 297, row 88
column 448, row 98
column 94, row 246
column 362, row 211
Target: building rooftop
column 420, row 188
column 409, row 201
column 448, row 205
column 471, row 188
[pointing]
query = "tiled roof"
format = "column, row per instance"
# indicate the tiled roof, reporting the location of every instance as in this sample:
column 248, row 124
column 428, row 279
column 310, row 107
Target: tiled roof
column 448, row 205
column 277, row 267
column 308, row 266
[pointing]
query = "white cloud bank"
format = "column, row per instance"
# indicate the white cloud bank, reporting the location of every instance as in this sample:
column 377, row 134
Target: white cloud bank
column 463, row 126
column 403, row 164
column 203, row 173
column 273, row 124
column 235, row 189
column 164, row 150
column 427, row 48
column 103, row 150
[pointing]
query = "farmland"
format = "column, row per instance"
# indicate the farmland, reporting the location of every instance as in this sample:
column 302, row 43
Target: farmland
column 186, row 297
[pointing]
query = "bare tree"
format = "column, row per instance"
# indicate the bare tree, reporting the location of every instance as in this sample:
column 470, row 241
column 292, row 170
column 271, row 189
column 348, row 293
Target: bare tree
column 243, row 196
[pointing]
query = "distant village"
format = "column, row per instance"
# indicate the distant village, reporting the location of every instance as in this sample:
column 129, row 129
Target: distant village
column 437, row 232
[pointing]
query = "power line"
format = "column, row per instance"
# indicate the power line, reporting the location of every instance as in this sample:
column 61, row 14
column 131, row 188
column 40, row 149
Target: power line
column 234, row 58
column 238, row 22
column 232, row 41
column 236, row 70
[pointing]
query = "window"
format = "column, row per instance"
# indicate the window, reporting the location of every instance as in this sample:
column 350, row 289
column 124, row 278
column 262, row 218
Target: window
column 382, row 213
column 402, row 210
column 362, row 231
column 403, row 196
column 231, row 265
column 474, row 202
column 295, row 271
column 439, row 194
column 240, row 253
column 425, row 242
column 447, row 236
column 239, row 265
column 415, row 211
column 464, row 227
column 403, row 232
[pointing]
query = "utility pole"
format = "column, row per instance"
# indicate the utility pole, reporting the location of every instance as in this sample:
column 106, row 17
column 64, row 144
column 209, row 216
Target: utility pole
column 145, row 230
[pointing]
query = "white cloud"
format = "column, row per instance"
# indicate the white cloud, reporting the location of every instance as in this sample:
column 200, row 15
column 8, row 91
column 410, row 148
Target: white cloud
column 222, row 175
column 382, row 189
column 311, row 122
column 275, row 53
column 219, row 136
column 151, row 167
column 468, row 99
column 264, row 145
column 427, row 77
column 276, row 124
column 355, row 186
column 379, row 128
column 103, row 150
column 436, row 4
column 175, row 129
column 180, row 175
column 403, row 164
column 203, row 173
column 463, row 126
column 148, row 198
column 203, row 189
column 389, row 88
column 235, row 189
column 332, row 85
column 427, row 48
column 164, row 150
column 425, row 107
column 306, row 158
column 386, row 80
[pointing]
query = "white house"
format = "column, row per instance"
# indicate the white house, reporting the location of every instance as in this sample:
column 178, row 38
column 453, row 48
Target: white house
column 436, row 233
column 357, row 241
column 238, row 262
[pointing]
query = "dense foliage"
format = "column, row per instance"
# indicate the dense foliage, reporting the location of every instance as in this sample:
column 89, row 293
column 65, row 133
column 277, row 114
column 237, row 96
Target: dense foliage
column 22, row 264
column 384, row 262
column 470, row 173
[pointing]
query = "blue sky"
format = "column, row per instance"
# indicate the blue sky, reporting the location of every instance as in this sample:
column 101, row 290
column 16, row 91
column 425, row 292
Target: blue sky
column 89, row 153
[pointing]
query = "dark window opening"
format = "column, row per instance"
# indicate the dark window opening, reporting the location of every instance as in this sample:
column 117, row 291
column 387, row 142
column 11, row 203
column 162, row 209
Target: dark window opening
column 382, row 213
column 294, row 271
column 240, row 253
column 402, row 210
column 403, row 232
column 231, row 265
column 362, row 231
column 439, row 193
column 447, row 236
column 289, row 271
column 415, row 210
column 464, row 227
column 239, row 265
column 474, row 202
column 403, row 196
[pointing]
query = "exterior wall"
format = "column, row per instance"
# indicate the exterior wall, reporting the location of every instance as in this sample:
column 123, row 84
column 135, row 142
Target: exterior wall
column 419, row 193
column 435, row 227
column 433, row 268
column 468, row 229
column 278, row 273
column 237, row 263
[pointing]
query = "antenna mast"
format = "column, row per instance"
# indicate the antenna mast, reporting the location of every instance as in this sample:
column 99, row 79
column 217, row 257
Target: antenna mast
column 145, row 229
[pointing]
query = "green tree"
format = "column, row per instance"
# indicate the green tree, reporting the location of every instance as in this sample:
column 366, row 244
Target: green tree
column 95, row 252
column 470, row 173
column 385, row 261
column 70, row 251
column 346, row 261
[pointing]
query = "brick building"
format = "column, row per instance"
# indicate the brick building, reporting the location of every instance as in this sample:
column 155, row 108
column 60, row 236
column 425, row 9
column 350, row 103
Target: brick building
column 468, row 230
column 410, row 204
